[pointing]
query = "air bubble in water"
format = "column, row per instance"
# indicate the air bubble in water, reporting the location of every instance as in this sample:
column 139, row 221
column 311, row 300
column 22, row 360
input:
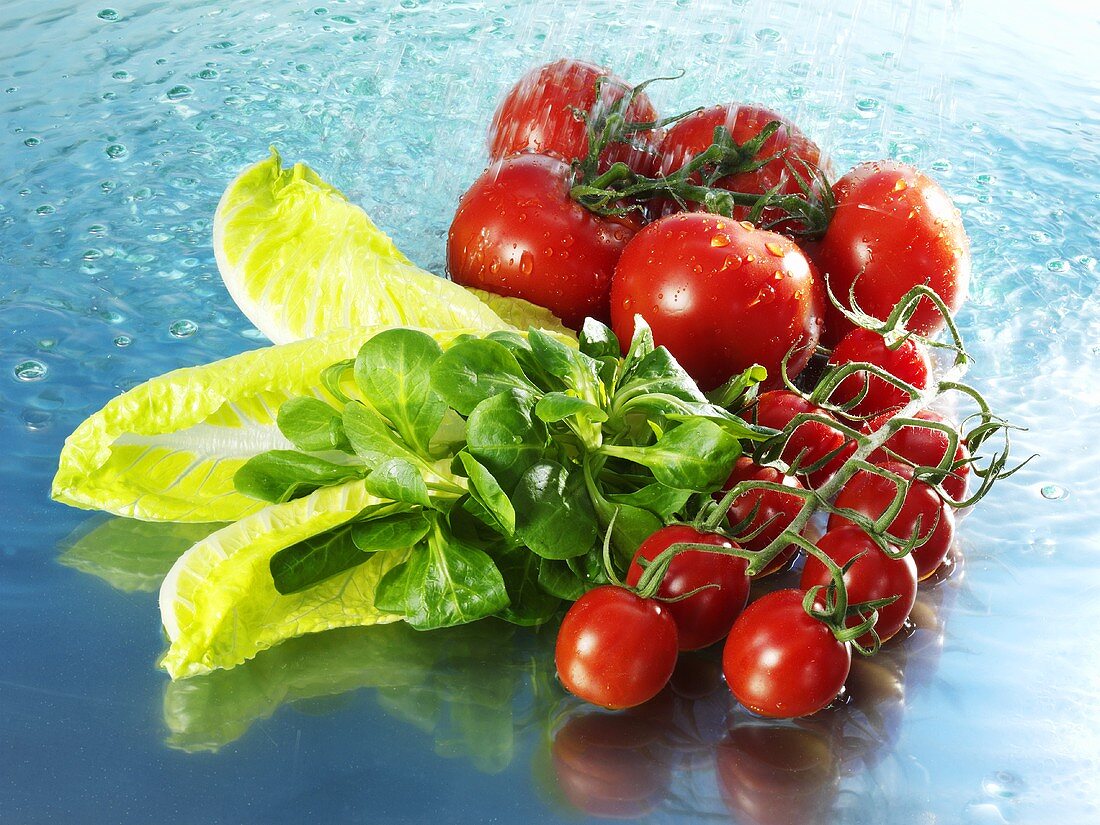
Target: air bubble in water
column 179, row 92
column 1058, row 265
column 30, row 370
column 32, row 142
column 1054, row 492
column 867, row 106
column 183, row 328
column 110, row 15
column 123, row 341
column 1003, row 784
column 45, row 209
column 116, row 151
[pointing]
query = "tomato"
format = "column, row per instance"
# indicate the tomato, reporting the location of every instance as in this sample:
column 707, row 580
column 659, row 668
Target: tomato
column 893, row 228
column 773, row 511
column 607, row 765
column 695, row 133
column 720, row 295
column 870, row 494
column 873, row 576
column 706, row 617
column 909, row 362
column 538, row 115
column 925, row 447
column 614, row 648
column 518, row 233
column 810, row 441
column 773, row 775
column 781, row 662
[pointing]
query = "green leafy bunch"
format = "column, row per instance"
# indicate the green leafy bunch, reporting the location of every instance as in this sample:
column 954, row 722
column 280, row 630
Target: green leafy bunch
column 506, row 462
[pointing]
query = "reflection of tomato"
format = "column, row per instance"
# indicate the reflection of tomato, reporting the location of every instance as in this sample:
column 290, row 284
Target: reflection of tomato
column 781, row 662
column 874, row 575
column 720, row 295
column 614, row 648
column 765, row 511
column 606, row 764
column 893, row 228
column 538, row 115
column 695, row 133
column 777, row 775
column 720, row 581
column 517, row 232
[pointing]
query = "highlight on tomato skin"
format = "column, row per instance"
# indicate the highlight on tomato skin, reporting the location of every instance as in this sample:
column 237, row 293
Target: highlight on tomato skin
column 893, row 228
column 721, row 295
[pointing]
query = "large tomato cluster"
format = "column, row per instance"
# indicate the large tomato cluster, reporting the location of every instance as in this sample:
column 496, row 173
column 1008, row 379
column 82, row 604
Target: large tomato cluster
column 732, row 274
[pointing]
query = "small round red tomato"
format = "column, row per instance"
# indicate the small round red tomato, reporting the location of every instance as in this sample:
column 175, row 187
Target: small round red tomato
column 615, row 649
column 922, row 511
column 926, row 447
column 771, row 512
column 706, row 617
column 908, row 362
column 781, row 662
column 518, row 233
column 695, row 133
column 893, row 228
column 539, row 115
column 720, row 295
column 873, row 576
column 811, row 441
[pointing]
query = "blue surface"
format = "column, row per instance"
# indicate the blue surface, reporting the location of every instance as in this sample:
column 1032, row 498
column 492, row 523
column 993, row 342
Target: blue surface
column 120, row 127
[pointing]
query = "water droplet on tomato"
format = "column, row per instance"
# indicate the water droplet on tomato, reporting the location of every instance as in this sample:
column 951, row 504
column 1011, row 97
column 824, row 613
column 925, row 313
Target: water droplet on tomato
column 526, row 263
column 731, row 262
column 774, row 248
column 748, row 225
column 901, row 185
column 720, row 239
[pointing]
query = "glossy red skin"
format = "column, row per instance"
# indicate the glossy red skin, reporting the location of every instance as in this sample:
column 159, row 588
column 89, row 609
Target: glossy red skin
column 702, row 619
column 606, row 766
column 720, row 295
column 781, row 662
column 812, row 440
column 925, row 448
column 535, row 116
column 518, row 233
column 777, row 510
column 909, row 362
column 615, row 649
column 893, row 228
column 871, row 495
column 873, row 576
column 778, row 775
column 695, row 133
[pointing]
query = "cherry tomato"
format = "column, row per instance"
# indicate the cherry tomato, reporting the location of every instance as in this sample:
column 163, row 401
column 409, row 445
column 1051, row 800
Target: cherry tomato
column 773, row 775
column 810, row 441
column 518, row 233
column 781, row 662
column 695, row 133
column 925, row 447
column 873, row 576
column 721, row 295
column 893, row 228
column 773, row 511
column 538, row 115
column 870, row 494
column 706, row 617
column 615, row 649
column 909, row 362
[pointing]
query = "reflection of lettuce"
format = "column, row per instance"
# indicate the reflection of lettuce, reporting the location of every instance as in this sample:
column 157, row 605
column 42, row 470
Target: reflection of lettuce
column 128, row 554
column 457, row 685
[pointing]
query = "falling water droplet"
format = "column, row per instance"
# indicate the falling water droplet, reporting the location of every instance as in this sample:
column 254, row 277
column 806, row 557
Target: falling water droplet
column 183, row 328
column 1054, row 492
column 30, row 370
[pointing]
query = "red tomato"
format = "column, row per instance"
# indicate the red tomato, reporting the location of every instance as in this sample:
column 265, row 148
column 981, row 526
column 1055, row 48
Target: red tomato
column 706, row 617
column 925, row 447
column 518, row 233
column 909, row 362
column 695, row 133
column 893, row 228
column 721, row 295
column 810, row 441
column 870, row 495
column 873, row 576
column 772, row 775
column 538, row 115
column 615, row 649
column 781, row 662
column 776, row 510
